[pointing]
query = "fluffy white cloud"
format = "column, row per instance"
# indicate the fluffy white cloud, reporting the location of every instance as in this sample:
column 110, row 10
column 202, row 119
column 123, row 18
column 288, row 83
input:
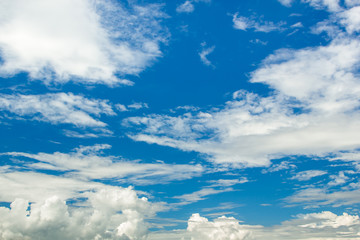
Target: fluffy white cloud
column 84, row 41
column 307, row 175
column 58, row 108
column 314, row 226
column 244, row 23
column 222, row 228
column 116, row 213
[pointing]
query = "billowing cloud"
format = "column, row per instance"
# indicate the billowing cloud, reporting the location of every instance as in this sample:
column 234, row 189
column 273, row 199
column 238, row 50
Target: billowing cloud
column 84, row 41
column 220, row 229
column 320, row 226
column 116, row 213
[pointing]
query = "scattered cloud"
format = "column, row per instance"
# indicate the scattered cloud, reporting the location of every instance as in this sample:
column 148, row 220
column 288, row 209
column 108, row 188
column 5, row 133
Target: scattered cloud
column 204, row 54
column 286, row 3
column 88, row 41
column 244, row 23
column 322, row 225
column 309, row 174
column 313, row 110
column 186, row 7
column 133, row 106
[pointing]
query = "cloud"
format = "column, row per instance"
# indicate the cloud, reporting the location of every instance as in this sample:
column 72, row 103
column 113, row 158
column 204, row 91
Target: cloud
column 244, row 23
column 133, row 106
column 116, row 213
column 330, row 5
column 286, row 3
column 204, row 53
column 85, row 41
column 313, row 110
column 309, row 174
column 58, row 108
column 87, row 163
column 220, row 229
column 199, row 195
column 320, row 226
column 186, row 7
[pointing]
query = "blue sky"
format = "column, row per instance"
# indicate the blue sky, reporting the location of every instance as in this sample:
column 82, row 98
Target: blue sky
column 186, row 119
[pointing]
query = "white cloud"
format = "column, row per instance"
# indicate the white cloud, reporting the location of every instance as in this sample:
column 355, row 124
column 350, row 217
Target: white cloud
column 314, row 226
column 116, row 213
column 58, row 108
column 286, row 3
column 330, row 5
column 351, row 3
column 309, row 174
column 244, row 23
column 85, row 41
column 87, row 163
column 186, row 7
column 204, row 54
column 351, row 19
column 339, row 179
column 222, row 228
column 313, row 110
column 133, row 106
column 199, row 195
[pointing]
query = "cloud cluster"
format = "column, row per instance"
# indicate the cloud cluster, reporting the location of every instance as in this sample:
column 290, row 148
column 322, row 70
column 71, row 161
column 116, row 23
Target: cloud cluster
column 312, row 110
column 85, row 41
column 324, row 225
column 116, row 213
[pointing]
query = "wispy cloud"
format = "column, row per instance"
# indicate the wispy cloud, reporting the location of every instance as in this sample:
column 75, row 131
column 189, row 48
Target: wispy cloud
column 58, row 108
column 204, row 54
column 244, row 23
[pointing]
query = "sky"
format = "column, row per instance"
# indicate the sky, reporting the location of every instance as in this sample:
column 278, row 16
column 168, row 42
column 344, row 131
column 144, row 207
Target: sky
column 182, row 119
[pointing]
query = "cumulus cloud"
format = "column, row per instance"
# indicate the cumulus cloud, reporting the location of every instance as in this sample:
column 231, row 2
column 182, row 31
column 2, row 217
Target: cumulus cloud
column 84, row 41
column 323, row 225
column 244, row 23
column 58, row 108
column 116, row 213
column 220, row 229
